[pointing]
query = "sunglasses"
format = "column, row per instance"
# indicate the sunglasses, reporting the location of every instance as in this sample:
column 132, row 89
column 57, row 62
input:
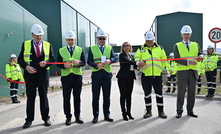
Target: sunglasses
column 126, row 45
column 102, row 38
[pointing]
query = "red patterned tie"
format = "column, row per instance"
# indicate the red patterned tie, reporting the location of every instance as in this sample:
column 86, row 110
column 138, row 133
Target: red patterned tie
column 38, row 50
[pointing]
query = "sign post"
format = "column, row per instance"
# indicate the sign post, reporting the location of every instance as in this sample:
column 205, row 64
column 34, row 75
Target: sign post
column 215, row 36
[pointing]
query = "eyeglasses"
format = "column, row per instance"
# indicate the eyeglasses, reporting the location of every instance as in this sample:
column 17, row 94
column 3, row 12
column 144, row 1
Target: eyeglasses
column 102, row 38
column 126, row 45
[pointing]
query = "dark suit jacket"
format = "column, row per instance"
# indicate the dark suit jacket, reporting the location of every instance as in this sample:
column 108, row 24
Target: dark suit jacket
column 101, row 73
column 184, row 74
column 42, row 72
column 125, row 64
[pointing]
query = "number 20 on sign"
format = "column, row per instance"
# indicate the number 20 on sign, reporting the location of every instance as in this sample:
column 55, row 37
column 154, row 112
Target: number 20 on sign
column 215, row 35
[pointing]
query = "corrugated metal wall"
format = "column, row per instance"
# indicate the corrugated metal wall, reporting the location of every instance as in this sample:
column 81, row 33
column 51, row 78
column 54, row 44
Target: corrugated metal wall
column 15, row 25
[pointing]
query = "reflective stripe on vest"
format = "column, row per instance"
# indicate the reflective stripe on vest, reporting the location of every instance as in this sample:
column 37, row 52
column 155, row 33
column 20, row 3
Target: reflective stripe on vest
column 97, row 56
column 27, row 51
column 14, row 72
column 65, row 54
column 185, row 53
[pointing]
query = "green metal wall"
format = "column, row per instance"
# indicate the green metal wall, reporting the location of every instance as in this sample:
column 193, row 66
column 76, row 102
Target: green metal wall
column 168, row 26
column 15, row 25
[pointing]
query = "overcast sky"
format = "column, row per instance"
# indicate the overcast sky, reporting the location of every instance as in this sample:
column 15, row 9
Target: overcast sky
column 128, row 20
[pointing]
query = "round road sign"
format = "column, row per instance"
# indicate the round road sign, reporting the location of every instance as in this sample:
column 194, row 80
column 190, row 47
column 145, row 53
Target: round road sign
column 215, row 35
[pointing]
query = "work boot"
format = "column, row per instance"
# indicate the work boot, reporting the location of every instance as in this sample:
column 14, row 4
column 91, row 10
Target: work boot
column 161, row 114
column 173, row 90
column 148, row 113
column 16, row 99
column 168, row 90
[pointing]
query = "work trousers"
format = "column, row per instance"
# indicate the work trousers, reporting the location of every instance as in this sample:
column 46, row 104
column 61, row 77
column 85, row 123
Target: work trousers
column 156, row 82
column 171, row 80
column 211, row 81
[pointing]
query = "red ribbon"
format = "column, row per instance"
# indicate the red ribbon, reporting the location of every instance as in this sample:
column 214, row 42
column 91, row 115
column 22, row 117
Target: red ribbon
column 12, row 80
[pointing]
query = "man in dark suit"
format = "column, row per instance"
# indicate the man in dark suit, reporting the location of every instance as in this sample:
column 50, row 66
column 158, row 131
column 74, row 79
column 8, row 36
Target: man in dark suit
column 71, row 76
column 33, row 59
column 100, row 56
column 187, row 74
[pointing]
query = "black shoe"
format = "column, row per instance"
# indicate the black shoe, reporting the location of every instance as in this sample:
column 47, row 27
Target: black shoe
column 79, row 120
column 95, row 120
column 15, row 101
column 108, row 118
column 125, row 116
column 207, row 96
column 178, row 115
column 173, row 91
column 27, row 124
column 68, row 121
column 167, row 91
column 192, row 115
column 211, row 95
column 130, row 116
column 47, row 123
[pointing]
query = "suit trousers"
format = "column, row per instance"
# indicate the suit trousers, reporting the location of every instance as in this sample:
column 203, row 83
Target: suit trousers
column 126, row 88
column 97, row 84
column 71, row 83
column 188, row 84
column 31, row 87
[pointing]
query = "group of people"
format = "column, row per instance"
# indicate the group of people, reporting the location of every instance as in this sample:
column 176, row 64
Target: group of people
column 149, row 58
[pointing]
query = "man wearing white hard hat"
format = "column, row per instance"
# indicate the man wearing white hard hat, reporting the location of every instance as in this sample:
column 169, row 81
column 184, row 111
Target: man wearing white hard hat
column 13, row 72
column 187, row 73
column 210, row 66
column 171, row 74
column 71, row 76
column 33, row 59
column 100, row 57
column 151, row 72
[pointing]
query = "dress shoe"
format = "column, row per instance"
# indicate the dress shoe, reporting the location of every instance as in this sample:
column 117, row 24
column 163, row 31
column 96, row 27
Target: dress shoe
column 68, row 121
column 95, row 120
column 125, row 116
column 148, row 113
column 130, row 116
column 79, row 120
column 47, row 123
column 108, row 118
column 178, row 115
column 161, row 114
column 192, row 115
column 27, row 124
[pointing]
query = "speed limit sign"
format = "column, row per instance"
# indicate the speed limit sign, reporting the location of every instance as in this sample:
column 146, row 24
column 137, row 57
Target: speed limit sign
column 215, row 35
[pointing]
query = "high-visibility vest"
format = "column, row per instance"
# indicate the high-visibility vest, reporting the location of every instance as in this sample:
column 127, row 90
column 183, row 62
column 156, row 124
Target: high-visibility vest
column 185, row 53
column 97, row 56
column 14, row 72
column 27, row 51
column 210, row 62
column 171, row 66
column 65, row 54
column 152, row 68
column 201, row 69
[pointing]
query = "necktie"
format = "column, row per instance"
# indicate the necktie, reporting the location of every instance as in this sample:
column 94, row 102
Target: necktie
column 187, row 46
column 102, row 49
column 71, row 51
column 37, row 50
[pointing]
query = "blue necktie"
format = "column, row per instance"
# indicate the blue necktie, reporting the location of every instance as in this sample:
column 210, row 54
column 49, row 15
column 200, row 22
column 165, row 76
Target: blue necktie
column 102, row 49
column 71, row 51
column 187, row 46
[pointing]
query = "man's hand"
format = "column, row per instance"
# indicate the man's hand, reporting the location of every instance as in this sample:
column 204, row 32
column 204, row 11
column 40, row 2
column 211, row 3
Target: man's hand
column 107, row 62
column 42, row 63
column 76, row 62
column 199, row 58
column 192, row 62
column 100, row 65
column 68, row 64
column 30, row 69
column 141, row 64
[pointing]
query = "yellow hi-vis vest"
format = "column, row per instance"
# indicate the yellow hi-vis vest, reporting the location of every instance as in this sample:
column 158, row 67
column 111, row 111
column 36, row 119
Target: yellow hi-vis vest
column 14, row 72
column 185, row 53
column 152, row 68
column 210, row 62
column 97, row 56
column 27, row 51
column 65, row 54
column 201, row 70
column 171, row 66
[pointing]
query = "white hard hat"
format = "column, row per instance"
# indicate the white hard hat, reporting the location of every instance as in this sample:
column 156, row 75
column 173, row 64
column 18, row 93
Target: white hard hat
column 210, row 46
column 37, row 29
column 171, row 54
column 149, row 35
column 70, row 35
column 186, row 29
column 101, row 33
column 13, row 56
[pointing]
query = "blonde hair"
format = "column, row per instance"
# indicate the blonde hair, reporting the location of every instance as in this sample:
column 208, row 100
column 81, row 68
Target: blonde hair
column 122, row 50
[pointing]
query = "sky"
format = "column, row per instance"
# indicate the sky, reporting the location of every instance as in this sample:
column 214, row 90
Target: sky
column 128, row 20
